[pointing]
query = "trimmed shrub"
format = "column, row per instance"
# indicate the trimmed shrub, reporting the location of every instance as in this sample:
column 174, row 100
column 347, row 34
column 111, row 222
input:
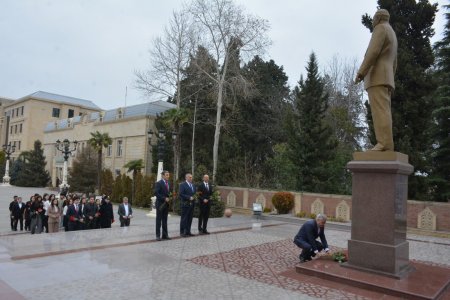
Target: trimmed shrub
column 283, row 202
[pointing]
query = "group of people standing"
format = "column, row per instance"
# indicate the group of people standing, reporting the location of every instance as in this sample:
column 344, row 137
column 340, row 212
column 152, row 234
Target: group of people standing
column 70, row 212
column 189, row 196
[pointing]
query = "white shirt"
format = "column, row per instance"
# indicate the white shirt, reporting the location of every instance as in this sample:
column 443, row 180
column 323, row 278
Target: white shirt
column 206, row 184
column 126, row 209
column 46, row 206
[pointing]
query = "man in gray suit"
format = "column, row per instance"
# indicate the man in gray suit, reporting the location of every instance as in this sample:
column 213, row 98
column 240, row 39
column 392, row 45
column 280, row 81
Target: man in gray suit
column 125, row 213
column 377, row 70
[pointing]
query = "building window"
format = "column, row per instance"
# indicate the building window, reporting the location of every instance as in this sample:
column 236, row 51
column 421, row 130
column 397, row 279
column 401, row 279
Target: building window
column 12, row 115
column 21, row 111
column 119, row 148
column 117, row 172
column 109, row 150
column 20, row 128
column 18, row 145
column 70, row 113
column 119, row 113
column 17, row 111
column 10, row 130
column 55, row 113
column 15, row 129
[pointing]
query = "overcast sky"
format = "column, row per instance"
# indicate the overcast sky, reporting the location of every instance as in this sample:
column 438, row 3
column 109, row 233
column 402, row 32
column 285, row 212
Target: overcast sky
column 89, row 49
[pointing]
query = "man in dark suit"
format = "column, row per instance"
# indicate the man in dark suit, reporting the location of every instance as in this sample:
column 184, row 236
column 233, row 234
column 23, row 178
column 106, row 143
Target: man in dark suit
column 187, row 203
column 204, row 204
column 74, row 215
column 18, row 210
column 307, row 235
column 91, row 213
column 162, row 193
column 125, row 213
column 11, row 217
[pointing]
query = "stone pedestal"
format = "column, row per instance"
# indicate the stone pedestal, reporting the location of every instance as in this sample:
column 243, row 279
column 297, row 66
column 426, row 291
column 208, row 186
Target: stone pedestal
column 379, row 206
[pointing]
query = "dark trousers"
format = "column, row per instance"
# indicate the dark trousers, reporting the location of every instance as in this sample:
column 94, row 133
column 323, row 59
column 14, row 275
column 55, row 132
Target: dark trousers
column 187, row 213
column 307, row 251
column 18, row 220
column 124, row 222
column 12, row 222
column 161, row 221
column 91, row 224
column 27, row 223
column 45, row 223
column 203, row 217
column 73, row 226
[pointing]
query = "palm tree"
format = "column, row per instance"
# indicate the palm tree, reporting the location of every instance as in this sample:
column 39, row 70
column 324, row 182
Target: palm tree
column 174, row 119
column 98, row 141
column 134, row 166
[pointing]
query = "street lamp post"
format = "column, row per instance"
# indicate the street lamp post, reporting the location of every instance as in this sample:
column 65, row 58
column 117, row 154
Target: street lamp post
column 65, row 149
column 8, row 149
column 174, row 138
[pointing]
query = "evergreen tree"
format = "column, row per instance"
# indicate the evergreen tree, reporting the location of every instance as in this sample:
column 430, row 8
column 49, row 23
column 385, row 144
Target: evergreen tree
column 33, row 172
column 134, row 166
column 82, row 174
column 411, row 104
column 127, row 184
column 117, row 190
column 310, row 137
column 107, row 182
column 440, row 177
column 257, row 123
column 16, row 168
column 138, row 192
column 148, row 183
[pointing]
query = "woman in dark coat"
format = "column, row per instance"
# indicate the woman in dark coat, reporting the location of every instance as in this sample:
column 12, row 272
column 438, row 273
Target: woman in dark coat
column 106, row 213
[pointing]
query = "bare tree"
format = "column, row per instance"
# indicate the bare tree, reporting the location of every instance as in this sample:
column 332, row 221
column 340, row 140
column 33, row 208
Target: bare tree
column 169, row 56
column 224, row 30
column 346, row 107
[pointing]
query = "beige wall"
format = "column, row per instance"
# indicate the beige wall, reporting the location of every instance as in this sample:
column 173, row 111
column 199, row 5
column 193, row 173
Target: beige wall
column 36, row 114
column 132, row 132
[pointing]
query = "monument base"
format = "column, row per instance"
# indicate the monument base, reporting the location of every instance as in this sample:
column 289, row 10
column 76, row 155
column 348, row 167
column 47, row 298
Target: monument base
column 387, row 260
column 426, row 282
column 379, row 205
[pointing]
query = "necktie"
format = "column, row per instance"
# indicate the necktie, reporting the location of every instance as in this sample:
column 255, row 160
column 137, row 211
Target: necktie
column 190, row 185
column 206, row 184
column 167, row 184
column 76, row 208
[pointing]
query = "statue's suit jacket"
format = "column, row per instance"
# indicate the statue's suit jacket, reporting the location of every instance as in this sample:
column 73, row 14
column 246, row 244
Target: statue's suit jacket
column 380, row 62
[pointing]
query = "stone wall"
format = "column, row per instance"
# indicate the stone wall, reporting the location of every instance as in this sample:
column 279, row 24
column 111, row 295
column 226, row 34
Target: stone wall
column 422, row 215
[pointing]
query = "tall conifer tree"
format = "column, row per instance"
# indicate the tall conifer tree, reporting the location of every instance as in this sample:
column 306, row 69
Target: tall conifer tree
column 311, row 141
column 440, row 177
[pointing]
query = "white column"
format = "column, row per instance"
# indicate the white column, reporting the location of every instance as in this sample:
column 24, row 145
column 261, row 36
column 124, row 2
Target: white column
column 160, row 169
column 6, row 178
column 64, row 180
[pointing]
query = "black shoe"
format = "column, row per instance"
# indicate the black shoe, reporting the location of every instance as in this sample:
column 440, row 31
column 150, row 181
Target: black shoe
column 183, row 235
column 166, row 238
column 190, row 234
column 200, row 231
column 158, row 238
column 205, row 231
column 302, row 259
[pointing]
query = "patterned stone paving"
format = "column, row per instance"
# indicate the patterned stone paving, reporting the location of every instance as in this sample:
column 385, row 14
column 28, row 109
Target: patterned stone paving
column 265, row 262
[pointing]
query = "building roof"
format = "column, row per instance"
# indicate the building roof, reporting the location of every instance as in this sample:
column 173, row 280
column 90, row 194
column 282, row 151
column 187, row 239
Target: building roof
column 60, row 98
column 139, row 110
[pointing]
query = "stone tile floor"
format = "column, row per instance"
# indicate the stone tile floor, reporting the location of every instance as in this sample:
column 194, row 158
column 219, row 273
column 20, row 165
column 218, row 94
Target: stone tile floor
column 243, row 258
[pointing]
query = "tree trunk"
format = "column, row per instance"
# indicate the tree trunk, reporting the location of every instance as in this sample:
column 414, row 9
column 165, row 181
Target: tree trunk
column 217, row 130
column 99, row 170
column 193, row 139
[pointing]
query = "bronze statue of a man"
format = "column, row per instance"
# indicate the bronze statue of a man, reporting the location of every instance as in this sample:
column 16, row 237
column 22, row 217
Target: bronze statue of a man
column 377, row 70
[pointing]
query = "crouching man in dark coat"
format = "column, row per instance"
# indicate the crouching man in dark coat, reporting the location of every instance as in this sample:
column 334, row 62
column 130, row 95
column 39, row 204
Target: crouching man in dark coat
column 307, row 235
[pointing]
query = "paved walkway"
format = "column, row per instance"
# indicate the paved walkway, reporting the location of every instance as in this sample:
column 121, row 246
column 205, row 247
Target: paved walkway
column 242, row 258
